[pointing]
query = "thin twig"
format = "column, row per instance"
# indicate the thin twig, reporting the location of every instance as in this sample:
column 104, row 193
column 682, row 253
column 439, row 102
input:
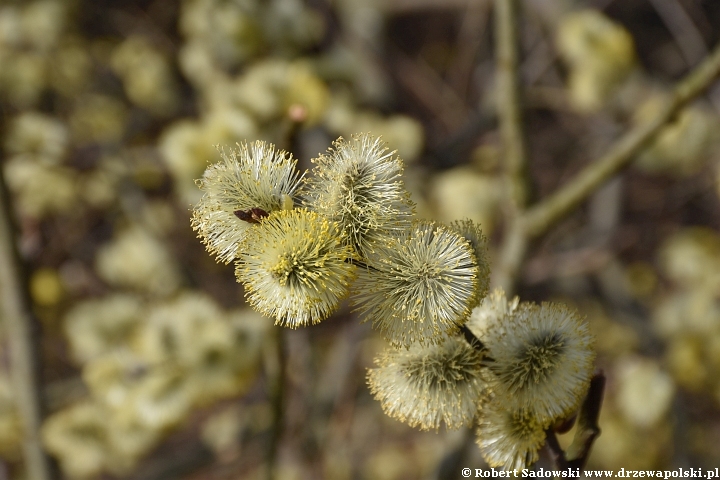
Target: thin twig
column 508, row 98
column 512, row 250
column 542, row 216
column 512, row 254
column 688, row 38
column 275, row 371
column 24, row 357
column 556, row 451
column 525, row 225
column 538, row 219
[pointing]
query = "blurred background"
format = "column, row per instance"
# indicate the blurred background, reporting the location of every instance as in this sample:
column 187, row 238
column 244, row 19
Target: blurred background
column 153, row 368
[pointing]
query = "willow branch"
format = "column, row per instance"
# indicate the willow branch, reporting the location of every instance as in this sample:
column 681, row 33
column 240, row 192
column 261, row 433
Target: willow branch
column 512, row 135
column 275, row 371
column 511, row 256
column 508, row 98
column 24, row 363
column 542, row 216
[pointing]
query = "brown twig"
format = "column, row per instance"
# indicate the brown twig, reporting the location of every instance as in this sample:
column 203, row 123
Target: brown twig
column 556, row 451
column 587, row 423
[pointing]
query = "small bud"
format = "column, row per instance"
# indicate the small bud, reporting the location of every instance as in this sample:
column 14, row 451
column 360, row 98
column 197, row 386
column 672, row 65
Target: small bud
column 286, row 201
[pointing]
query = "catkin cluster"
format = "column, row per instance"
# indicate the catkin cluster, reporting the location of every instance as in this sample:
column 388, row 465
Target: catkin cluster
column 303, row 243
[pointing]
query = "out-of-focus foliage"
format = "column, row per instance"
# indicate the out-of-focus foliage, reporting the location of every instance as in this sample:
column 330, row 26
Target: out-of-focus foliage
column 106, row 134
column 685, row 146
column 600, row 56
column 688, row 317
column 146, row 368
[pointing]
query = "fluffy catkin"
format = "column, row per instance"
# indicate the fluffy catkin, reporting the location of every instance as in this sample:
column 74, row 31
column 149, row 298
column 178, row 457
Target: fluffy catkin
column 419, row 285
column 253, row 176
column 293, row 266
column 357, row 184
column 429, row 385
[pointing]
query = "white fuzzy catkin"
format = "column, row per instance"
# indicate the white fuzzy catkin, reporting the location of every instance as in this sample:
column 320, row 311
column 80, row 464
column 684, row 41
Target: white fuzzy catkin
column 357, row 184
column 253, row 176
column 419, row 285
column 293, row 266
column 542, row 358
column 429, row 385
column 508, row 438
column 472, row 232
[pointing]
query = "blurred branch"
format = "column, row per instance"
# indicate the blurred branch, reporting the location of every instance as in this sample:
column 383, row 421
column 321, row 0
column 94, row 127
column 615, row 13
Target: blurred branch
column 509, row 109
column 24, row 355
column 512, row 254
column 508, row 97
column 275, row 371
column 687, row 36
column 538, row 219
column 471, row 339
